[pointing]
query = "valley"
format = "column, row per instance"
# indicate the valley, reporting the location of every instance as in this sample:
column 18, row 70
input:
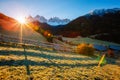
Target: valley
column 86, row 48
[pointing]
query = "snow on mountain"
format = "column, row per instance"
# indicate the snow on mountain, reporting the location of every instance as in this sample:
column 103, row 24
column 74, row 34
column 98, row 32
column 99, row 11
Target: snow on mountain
column 101, row 12
column 57, row 21
column 40, row 19
column 54, row 21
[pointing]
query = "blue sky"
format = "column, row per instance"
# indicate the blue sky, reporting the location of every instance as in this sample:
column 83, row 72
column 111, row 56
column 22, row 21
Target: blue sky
column 49, row 8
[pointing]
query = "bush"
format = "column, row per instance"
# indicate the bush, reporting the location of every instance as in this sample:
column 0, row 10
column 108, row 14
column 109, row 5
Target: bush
column 85, row 49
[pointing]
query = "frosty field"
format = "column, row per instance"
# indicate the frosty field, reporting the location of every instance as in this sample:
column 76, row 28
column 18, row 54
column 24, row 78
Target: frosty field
column 52, row 65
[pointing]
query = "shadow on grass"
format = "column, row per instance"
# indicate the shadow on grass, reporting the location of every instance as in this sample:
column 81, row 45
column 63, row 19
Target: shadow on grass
column 42, row 54
column 42, row 63
column 15, row 45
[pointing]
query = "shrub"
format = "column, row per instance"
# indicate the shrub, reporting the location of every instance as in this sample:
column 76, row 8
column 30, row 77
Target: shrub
column 86, row 49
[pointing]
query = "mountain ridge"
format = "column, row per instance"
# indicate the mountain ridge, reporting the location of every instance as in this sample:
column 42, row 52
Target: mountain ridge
column 53, row 21
column 94, row 24
column 103, row 27
column 101, row 12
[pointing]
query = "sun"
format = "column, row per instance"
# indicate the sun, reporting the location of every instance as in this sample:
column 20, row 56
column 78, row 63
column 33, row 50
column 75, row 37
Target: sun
column 21, row 20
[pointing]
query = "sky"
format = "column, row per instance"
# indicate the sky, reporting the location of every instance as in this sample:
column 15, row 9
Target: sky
column 70, row 9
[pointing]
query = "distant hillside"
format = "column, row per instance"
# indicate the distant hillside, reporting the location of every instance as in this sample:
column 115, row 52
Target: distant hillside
column 10, row 26
column 103, row 25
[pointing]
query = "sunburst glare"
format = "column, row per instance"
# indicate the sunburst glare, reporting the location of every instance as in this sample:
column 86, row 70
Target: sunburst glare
column 21, row 20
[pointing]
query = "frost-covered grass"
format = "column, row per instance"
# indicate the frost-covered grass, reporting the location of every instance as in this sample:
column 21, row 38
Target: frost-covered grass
column 52, row 65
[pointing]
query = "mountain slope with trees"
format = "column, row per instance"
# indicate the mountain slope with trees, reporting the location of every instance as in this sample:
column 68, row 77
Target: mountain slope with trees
column 105, row 27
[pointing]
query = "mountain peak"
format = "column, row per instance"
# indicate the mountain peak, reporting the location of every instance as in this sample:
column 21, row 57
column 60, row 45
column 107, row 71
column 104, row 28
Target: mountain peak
column 30, row 18
column 40, row 19
column 101, row 12
column 57, row 21
column 54, row 21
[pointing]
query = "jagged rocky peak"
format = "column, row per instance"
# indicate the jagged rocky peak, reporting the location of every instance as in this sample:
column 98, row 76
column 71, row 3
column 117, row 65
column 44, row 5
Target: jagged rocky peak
column 57, row 21
column 30, row 18
column 54, row 19
column 41, row 19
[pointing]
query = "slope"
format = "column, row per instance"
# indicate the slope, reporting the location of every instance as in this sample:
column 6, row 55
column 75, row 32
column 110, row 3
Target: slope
column 11, row 27
column 46, row 65
column 103, row 27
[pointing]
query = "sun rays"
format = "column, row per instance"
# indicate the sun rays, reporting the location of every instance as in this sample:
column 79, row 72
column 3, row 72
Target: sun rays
column 22, row 25
column 21, row 20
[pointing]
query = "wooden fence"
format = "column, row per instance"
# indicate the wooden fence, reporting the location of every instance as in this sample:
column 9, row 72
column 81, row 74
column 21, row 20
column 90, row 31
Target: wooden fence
column 58, row 47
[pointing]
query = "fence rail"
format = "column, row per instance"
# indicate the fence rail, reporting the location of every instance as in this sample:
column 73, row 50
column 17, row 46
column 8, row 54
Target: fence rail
column 58, row 47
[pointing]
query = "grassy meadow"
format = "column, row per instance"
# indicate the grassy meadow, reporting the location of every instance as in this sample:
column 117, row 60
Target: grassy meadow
column 17, row 63
column 79, row 40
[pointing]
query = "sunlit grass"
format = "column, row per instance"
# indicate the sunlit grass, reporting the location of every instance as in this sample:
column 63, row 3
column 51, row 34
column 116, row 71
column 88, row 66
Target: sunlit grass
column 46, row 73
column 53, row 65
